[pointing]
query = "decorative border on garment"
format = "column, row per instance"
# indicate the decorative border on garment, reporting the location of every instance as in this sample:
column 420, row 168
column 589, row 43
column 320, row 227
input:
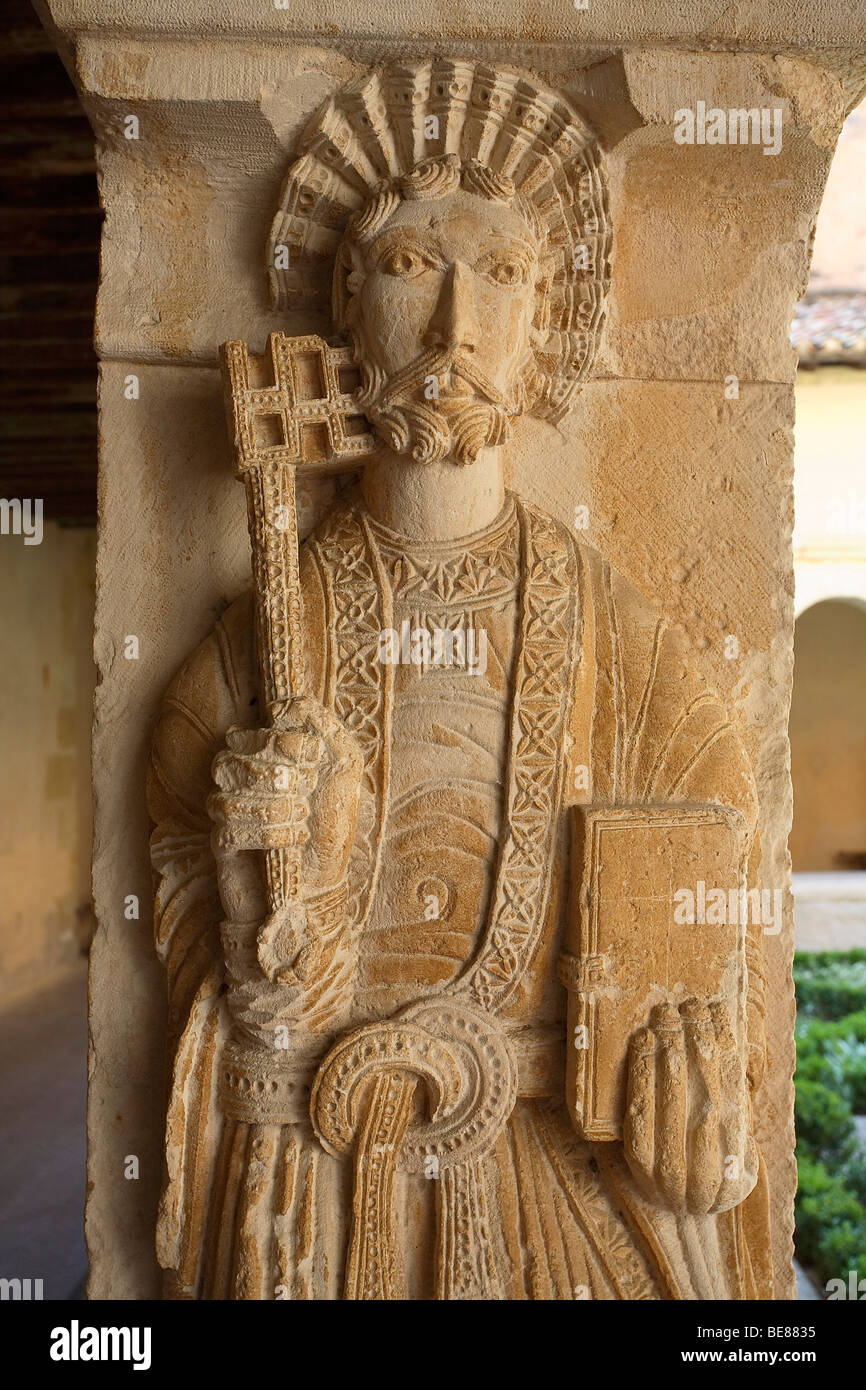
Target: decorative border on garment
column 486, row 572
column 360, row 687
column 607, row 1232
column 465, row 1260
column 537, row 765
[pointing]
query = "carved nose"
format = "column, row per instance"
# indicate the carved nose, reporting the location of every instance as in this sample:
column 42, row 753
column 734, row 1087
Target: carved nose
column 454, row 323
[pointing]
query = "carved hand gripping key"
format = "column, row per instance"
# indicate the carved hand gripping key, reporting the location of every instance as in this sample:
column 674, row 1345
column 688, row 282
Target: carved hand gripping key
column 289, row 409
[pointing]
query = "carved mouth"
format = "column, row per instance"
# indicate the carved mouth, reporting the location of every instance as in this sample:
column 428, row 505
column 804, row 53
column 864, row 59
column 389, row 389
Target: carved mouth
column 454, row 386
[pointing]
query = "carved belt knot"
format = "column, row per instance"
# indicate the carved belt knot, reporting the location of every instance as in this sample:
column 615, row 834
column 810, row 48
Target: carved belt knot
column 363, row 1097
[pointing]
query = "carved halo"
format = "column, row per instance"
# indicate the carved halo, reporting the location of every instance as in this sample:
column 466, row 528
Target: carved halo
column 377, row 129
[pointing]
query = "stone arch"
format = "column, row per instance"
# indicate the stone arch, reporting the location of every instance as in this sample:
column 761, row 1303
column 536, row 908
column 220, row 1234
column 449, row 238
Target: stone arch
column 821, row 581
column 828, row 735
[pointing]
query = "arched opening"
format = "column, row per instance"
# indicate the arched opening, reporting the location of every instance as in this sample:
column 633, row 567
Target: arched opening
column 828, row 849
column 828, row 738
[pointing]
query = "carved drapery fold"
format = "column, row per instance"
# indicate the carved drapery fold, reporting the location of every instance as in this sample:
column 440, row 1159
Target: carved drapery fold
column 643, row 687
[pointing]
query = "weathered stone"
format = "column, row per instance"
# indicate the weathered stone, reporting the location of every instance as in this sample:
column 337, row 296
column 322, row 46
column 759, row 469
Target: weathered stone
column 674, row 463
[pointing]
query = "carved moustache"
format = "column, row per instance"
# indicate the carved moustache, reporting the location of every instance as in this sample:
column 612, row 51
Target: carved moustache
column 430, row 430
column 402, row 388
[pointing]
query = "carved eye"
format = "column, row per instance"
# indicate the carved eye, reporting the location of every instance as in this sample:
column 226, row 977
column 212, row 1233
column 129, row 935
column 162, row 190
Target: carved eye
column 505, row 270
column 404, row 262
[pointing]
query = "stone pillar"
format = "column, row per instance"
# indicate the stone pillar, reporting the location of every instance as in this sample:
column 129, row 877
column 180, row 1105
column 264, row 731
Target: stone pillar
column 680, row 446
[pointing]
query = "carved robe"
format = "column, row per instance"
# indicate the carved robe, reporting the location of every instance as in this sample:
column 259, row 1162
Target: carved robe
column 459, row 886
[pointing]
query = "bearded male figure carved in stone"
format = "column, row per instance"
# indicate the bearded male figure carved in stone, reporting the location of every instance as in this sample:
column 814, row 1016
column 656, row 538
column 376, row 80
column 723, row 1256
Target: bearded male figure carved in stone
column 368, row 1096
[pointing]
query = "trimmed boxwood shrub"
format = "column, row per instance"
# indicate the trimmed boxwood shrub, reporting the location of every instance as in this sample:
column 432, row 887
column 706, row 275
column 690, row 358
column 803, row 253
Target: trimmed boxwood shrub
column 830, row 985
column 843, row 1248
column 833, row 1054
column 822, row 1030
column 824, row 960
column 823, row 1203
column 830, row 1088
column 854, row 1177
column 825, row 1125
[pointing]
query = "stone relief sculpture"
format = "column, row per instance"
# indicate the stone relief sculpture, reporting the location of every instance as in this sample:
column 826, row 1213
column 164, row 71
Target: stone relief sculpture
column 422, row 798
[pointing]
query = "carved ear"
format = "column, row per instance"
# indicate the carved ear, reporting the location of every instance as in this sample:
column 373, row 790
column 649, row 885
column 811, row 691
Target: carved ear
column 543, row 283
column 349, row 273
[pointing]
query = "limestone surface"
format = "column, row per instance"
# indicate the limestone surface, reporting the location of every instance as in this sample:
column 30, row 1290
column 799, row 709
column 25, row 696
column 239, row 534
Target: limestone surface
column 397, row 969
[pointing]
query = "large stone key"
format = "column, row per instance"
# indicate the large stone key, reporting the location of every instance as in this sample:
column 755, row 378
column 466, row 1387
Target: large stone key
column 292, row 408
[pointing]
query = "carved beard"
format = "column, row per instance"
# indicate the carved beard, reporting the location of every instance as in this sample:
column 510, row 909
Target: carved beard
column 430, row 431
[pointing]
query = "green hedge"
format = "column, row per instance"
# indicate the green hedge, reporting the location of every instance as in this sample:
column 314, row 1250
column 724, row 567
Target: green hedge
column 825, row 1125
column 831, row 1222
column 830, row 1089
column 830, row 984
column 810, row 961
column 832, row 1053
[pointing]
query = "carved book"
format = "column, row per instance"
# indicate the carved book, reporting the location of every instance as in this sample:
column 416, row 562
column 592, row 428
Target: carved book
column 659, row 915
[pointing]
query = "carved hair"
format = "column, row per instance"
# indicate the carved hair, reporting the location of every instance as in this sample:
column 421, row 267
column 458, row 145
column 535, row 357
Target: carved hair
column 418, row 129
column 436, row 178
